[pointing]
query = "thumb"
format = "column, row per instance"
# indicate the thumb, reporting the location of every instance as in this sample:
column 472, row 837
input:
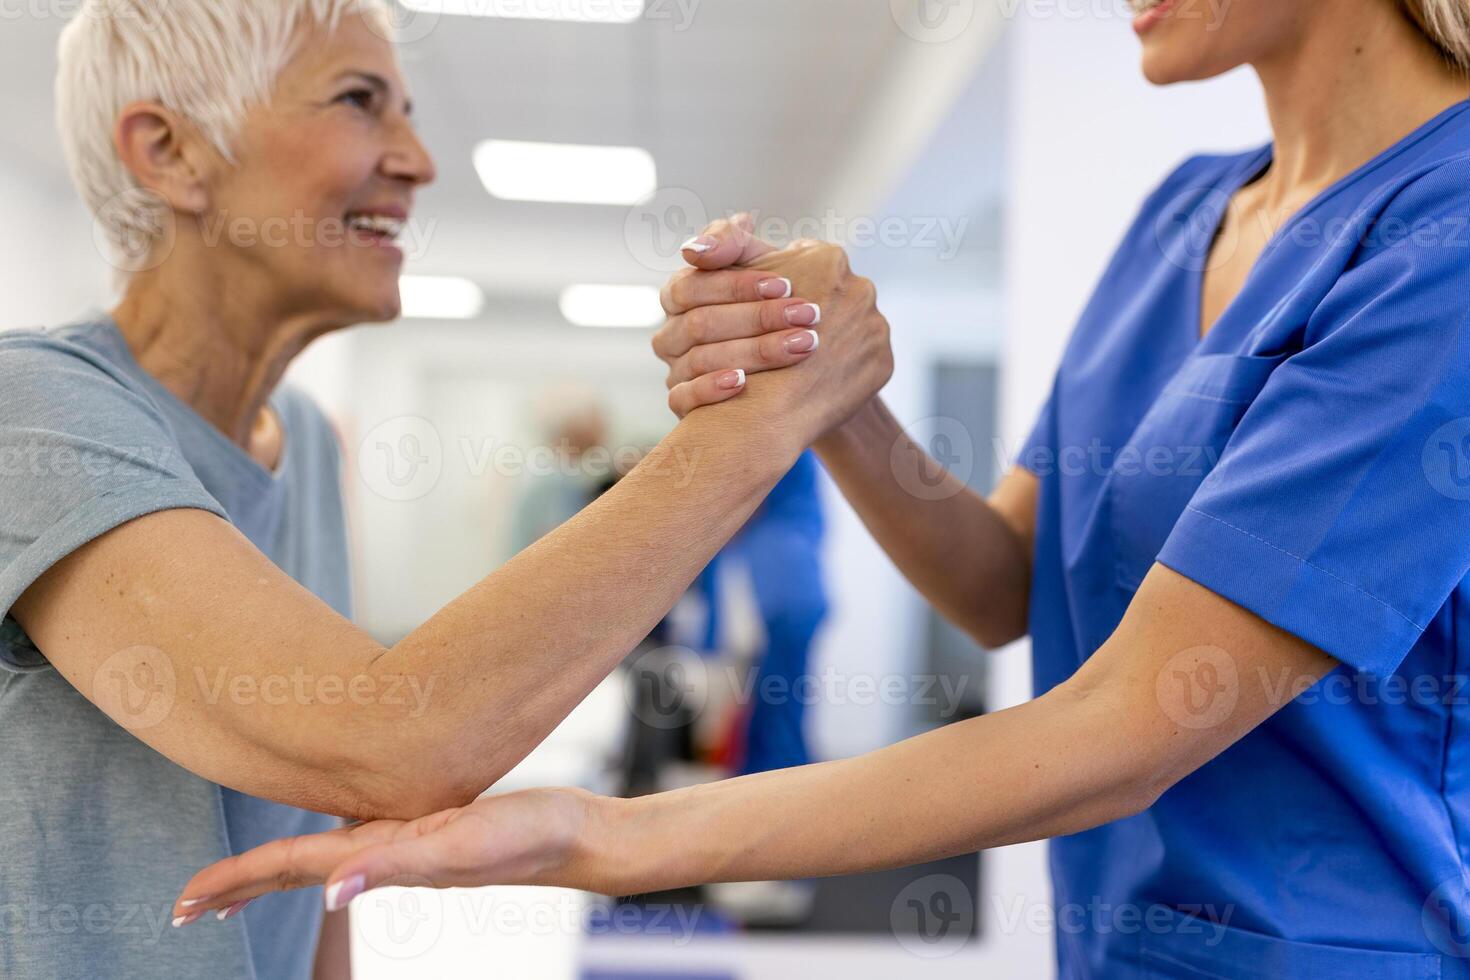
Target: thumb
column 725, row 243
column 416, row 862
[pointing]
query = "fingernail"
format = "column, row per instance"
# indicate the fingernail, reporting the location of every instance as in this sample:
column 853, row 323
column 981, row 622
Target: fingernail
column 804, row 315
column 802, row 342
column 184, row 920
column 774, row 288
column 195, row 901
column 230, row 910
column 698, row 244
column 344, row 891
column 731, row 379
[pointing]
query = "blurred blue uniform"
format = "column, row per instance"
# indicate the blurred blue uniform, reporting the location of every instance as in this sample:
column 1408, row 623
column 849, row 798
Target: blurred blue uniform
column 781, row 546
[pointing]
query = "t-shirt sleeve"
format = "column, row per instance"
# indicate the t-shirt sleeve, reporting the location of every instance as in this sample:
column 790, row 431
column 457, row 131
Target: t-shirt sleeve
column 81, row 452
column 1340, row 507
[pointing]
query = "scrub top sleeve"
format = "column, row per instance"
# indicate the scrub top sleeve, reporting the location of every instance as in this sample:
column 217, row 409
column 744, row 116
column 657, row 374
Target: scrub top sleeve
column 1038, row 452
column 1340, row 507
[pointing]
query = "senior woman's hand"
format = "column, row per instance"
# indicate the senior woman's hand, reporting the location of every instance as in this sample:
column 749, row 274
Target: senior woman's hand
column 711, row 328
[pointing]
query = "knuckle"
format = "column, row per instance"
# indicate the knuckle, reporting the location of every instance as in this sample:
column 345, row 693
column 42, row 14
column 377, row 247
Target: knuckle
column 696, row 363
column 678, row 289
column 697, row 326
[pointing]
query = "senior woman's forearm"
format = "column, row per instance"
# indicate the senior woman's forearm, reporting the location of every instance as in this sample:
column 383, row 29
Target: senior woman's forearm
column 966, row 558
column 511, row 657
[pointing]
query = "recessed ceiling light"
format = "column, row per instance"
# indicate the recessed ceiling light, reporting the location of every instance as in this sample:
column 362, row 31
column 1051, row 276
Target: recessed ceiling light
column 566, row 173
column 582, row 11
column 611, row 306
column 440, row 298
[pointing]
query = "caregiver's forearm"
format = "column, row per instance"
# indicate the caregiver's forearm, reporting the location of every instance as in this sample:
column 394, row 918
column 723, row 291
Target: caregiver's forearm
column 514, row 654
column 1053, row 766
column 948, row 541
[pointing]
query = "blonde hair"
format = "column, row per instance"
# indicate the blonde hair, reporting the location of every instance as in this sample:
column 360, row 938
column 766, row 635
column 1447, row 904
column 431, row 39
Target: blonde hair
column 208, row 60
column 1447, row 22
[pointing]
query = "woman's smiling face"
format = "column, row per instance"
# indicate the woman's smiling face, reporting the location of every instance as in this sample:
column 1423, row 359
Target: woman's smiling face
column 323, row 179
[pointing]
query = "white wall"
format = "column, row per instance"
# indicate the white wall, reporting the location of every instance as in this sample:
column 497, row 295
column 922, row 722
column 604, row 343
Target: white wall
column 52, row 273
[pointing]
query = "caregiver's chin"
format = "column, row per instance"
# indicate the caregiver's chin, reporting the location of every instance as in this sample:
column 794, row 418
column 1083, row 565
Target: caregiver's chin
column 292, row 238
column 1191, row 40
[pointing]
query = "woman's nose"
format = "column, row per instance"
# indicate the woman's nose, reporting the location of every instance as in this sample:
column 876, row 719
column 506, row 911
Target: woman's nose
column 409, row 159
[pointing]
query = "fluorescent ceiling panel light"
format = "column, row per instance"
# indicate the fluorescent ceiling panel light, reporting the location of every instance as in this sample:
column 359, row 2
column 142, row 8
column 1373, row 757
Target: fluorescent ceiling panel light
column 579, row 11
column 612, row 306
column 440, row 298
column 566, row 173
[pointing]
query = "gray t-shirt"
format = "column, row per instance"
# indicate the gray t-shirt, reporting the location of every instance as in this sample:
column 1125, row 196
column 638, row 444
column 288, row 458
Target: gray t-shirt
column 98, row 832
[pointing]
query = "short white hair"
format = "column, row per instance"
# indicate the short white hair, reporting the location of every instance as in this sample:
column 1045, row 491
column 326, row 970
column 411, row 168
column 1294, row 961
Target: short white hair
column 208, row 60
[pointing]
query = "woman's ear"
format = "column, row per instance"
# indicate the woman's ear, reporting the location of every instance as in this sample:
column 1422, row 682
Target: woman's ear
column 160, row 150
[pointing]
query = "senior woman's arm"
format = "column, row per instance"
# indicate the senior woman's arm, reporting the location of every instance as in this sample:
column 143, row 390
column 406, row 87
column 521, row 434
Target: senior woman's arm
column 262, row 687
column 1184, row 676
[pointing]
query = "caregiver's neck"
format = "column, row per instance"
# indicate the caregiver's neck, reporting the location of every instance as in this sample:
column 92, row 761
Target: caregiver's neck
column 1343, row 89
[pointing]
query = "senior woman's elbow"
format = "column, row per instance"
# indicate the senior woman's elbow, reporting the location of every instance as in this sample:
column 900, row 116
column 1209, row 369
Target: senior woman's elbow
column 414, row 786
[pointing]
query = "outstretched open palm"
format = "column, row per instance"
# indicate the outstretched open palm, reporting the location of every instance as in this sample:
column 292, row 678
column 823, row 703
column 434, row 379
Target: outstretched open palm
column 518, row 838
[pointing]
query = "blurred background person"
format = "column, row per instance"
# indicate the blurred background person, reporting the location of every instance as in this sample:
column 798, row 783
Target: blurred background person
column 574, row 422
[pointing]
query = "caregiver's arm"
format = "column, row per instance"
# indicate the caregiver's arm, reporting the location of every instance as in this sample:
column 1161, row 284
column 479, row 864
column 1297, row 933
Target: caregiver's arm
column 267, row 690
column 969, row 556
column 1185, row 675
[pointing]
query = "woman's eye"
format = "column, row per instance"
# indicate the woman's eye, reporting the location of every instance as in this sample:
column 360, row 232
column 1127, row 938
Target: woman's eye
column 360, row 97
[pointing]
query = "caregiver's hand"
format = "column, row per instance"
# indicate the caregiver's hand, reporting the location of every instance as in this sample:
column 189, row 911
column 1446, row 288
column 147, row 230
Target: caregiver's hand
column 711, row 329
column 524, row 838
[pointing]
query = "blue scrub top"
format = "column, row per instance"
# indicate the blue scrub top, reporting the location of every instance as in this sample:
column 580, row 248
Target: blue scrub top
column 1310, row 461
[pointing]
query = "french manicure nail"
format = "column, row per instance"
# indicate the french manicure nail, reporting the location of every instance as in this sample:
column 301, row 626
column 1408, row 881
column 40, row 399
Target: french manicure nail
column 804, row 315
column 698, row 244
column 774, row 288
column 731, row 379
column 803, row 342
column 230, row 910
column 195, row 901
column 184, row 920
column 344, row 891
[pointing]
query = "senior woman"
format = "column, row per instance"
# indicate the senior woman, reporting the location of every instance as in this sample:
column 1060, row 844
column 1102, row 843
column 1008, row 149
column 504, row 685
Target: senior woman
column 1294, row 320
column 181, row 682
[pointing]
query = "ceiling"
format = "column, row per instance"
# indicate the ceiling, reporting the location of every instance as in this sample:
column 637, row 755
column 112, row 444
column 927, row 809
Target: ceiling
column 802, row 109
